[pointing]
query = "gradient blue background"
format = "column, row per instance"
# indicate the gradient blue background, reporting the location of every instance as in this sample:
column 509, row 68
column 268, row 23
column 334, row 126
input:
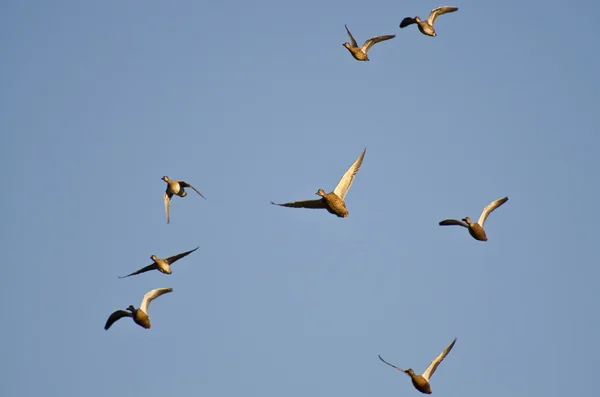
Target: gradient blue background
column 259, row 101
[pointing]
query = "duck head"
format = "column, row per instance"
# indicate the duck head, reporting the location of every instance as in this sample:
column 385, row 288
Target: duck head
column 165, row 178
column 321, row 192
column 467, row 220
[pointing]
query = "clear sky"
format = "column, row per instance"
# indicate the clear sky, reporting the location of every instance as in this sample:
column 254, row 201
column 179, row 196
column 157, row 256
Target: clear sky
column 258, row 101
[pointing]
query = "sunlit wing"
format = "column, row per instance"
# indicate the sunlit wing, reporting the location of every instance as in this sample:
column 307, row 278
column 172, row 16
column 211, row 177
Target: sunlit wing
column 153, row 266
column 175, row 258
column 303, row 204
column 352, row 41
column 167, row 199
column 344, row 184
column 116, row 316
column 374, row 40
column 434, row 364
column 150, row 296
column 489, row 208
column 436, row 12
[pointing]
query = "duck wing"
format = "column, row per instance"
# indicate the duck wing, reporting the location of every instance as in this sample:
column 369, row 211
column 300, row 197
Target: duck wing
column 436, row 12
column 167, row 199
column 449, row 222
column 150, row 296
column 344, row 184
column 352, row 41
column 436, row 361
column 489, row 208
column 119, row 314
column 407, row 21
column 304, row 204
column 175, row 258
column 185, row 184
column 391, row 365
column 153, row 266
column 374, row 40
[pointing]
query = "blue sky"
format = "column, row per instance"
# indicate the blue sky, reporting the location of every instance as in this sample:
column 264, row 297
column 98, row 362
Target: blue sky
column 252, row 102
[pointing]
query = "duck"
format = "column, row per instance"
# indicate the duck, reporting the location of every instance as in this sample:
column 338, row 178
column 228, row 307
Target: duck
column 333, row 202
column 162, row 265
column 426, row 27
column 175, row 188
column 360, row 53
column 421, row 382
column 476, row 229
column 139, row 316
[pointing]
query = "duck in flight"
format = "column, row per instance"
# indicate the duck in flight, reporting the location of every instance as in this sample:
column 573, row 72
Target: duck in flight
column 175, row 188
column 162, row 265
column 426, row 27
column 139, row 316
column 421, row 382
column 476, row 229
column 333, row 202
column 360, row 53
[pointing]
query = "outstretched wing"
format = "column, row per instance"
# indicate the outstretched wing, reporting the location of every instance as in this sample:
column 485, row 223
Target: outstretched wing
column 436, row 12
column 167, row 199
column 175, row 258
column 434, row 364
column 489, row 208
column 451, row 222
column 344, row 184
column 303, row 204
column 153, row 266
column 407, row 21
column 374, row 40
column 391, row 365
column 352, row 41
column 116, row 316
column 185, row 184
column 150, row 296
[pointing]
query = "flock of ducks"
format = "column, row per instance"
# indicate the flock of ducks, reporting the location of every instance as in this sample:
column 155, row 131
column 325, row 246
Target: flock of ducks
column 425, row 27
column 333, row 202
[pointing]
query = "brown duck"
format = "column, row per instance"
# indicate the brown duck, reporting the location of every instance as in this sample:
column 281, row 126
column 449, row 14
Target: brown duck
column 360, row 53
column 476, row 229
column 333, row 202
column 175, row 188
column 139, row 316
column 162, row 265
column 421, row 382
column 426, row 27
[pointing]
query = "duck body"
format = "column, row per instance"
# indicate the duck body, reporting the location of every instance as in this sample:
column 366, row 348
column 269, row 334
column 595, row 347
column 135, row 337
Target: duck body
column 475, row 230
column 162, row 265
column 420, row 383
column 141, row 318
column 425, row 28
column 175, row 188
column 357, row 53
column 334, row 204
